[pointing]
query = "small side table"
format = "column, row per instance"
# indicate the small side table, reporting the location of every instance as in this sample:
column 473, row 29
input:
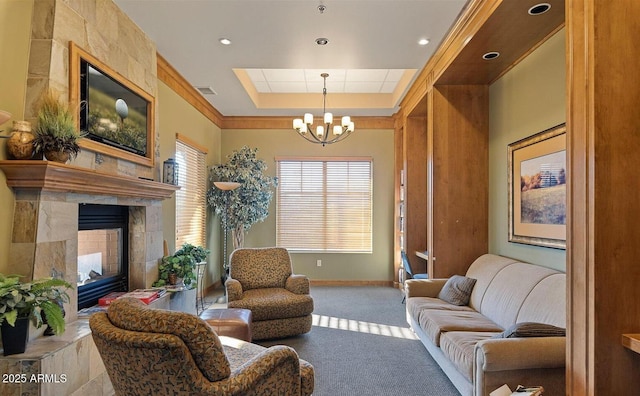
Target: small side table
column 200, row 268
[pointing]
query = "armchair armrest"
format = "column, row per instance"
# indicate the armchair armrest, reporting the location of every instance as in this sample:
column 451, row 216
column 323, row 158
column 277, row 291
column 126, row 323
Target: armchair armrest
column 423, row 287
column 277, row 369
column 520, row 353
column 298, row 284
column 234, row 289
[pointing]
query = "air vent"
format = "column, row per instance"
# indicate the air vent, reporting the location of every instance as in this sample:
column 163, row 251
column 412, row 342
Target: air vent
column 206, row 90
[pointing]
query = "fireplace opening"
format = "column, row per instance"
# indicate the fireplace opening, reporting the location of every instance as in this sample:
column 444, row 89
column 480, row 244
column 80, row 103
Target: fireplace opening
column 103, row 252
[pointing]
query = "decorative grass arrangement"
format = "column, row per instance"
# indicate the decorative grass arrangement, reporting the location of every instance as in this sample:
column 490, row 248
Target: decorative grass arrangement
column 56, row 129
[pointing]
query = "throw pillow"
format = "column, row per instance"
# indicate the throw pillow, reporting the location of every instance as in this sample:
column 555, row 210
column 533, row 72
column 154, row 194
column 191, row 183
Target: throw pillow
column 532, row 329
column 457, row 290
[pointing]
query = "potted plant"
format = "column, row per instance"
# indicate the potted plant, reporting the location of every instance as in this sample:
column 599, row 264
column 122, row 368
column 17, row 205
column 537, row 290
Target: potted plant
column 56, row 135
column 181, row 265
column 198, row 253
column 21, row 302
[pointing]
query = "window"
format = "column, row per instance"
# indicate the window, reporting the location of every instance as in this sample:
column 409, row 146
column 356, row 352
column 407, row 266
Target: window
column 191, row 198
column 324, row 204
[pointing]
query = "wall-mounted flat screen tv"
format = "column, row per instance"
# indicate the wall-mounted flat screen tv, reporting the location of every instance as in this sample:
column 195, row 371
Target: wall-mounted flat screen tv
column 111, row 113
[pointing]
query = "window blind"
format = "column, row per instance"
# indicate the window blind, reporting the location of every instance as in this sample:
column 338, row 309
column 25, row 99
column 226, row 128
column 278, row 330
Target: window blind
column 324, row 205
column 191, row 198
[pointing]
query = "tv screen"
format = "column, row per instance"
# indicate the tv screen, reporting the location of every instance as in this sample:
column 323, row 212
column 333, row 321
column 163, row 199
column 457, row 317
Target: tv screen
column 112, row 113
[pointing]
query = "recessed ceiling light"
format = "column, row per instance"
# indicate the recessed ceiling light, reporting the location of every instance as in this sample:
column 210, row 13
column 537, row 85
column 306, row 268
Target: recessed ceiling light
column 322, row 41
column 539, row 9
column 225, row 41
column 490, row 55
column 423, row 41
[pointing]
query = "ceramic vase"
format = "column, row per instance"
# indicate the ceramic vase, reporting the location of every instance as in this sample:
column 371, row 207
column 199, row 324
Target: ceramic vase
column 20, row 143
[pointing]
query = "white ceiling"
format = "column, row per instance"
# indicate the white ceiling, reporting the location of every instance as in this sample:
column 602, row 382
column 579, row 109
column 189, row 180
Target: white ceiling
column 371, row 44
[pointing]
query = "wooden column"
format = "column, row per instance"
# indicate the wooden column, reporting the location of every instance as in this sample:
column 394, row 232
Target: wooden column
column 603, row 147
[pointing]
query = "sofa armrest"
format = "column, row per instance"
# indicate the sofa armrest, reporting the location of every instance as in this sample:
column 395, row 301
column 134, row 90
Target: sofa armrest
column 298, row 284
column 520, row 353
column 423, row 287
column 234, row 289
column 527, row 361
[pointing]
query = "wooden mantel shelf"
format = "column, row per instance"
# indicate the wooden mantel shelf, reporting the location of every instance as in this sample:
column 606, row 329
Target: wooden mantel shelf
column 631, row 341
column 53, row 176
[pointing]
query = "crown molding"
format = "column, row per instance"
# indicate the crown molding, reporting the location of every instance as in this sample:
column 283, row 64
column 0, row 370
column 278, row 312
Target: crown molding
column 174, row 80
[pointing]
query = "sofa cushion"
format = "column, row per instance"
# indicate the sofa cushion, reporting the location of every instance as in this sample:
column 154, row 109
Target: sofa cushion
column 549, row 292
column 457, row 290
column 458, row 347
column 484, row 269
column 509, row 289
column 415, row 305
column 532, row 329
column 435, row 322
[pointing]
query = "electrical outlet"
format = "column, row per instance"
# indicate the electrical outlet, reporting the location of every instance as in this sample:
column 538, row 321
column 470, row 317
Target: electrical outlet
column 319, row 263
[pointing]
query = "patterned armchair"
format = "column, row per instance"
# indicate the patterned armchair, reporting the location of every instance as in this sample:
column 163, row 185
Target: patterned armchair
column 261, row 280
column 157, row 352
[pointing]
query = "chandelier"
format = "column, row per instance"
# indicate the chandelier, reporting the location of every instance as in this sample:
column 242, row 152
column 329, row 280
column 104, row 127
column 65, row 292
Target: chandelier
column 321, row 134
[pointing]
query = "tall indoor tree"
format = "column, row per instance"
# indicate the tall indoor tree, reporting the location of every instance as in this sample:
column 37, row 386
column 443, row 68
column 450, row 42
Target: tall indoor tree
column 248, row 204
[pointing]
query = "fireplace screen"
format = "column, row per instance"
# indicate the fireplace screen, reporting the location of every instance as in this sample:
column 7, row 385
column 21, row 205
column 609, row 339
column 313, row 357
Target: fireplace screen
column 102, row 252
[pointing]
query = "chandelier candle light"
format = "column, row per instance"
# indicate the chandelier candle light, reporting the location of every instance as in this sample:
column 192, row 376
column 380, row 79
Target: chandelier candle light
column 321, row 135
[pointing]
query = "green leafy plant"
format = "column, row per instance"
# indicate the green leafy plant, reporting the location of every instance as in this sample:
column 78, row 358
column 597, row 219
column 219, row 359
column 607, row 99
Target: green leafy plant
column 32, row 300
column 198, row 253
column 56, row 128
column 182, row 264
column 247, row 204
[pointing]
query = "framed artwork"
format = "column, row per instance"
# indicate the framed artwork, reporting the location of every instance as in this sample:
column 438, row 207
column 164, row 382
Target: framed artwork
column 538, row 189
column 116, row 115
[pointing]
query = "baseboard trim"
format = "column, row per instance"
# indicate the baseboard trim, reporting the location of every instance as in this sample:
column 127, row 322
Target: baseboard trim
column 328, row 282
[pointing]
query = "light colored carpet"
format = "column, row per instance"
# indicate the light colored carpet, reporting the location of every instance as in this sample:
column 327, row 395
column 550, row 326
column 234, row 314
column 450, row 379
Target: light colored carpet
column 361, row 344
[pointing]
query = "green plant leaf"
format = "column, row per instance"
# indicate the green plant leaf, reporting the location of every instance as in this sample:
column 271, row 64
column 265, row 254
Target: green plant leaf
column 11, row 317
column 54, row 316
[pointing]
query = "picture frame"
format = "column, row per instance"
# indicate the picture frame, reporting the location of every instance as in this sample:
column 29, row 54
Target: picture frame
column 140, row 116
column 537, row 189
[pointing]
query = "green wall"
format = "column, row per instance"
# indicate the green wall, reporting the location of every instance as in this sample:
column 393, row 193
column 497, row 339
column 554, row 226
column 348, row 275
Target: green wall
column 15, row 38
column 528, row 99
column 374, row 143
column 178, row 116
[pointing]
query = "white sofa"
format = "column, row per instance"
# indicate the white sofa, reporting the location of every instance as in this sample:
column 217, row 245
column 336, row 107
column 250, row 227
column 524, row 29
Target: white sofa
column 461, row 338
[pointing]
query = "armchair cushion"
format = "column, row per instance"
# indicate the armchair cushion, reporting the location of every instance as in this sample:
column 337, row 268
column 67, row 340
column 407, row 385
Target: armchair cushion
column 248, row 267
column 204, row 344
column 274, row 303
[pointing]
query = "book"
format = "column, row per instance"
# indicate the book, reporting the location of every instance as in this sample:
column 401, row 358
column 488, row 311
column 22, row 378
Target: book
column 108, row 299
column 144, row 296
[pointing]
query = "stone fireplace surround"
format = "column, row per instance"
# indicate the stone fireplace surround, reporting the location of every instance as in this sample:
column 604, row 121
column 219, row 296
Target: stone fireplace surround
column 45, row 224
column 45, row 238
